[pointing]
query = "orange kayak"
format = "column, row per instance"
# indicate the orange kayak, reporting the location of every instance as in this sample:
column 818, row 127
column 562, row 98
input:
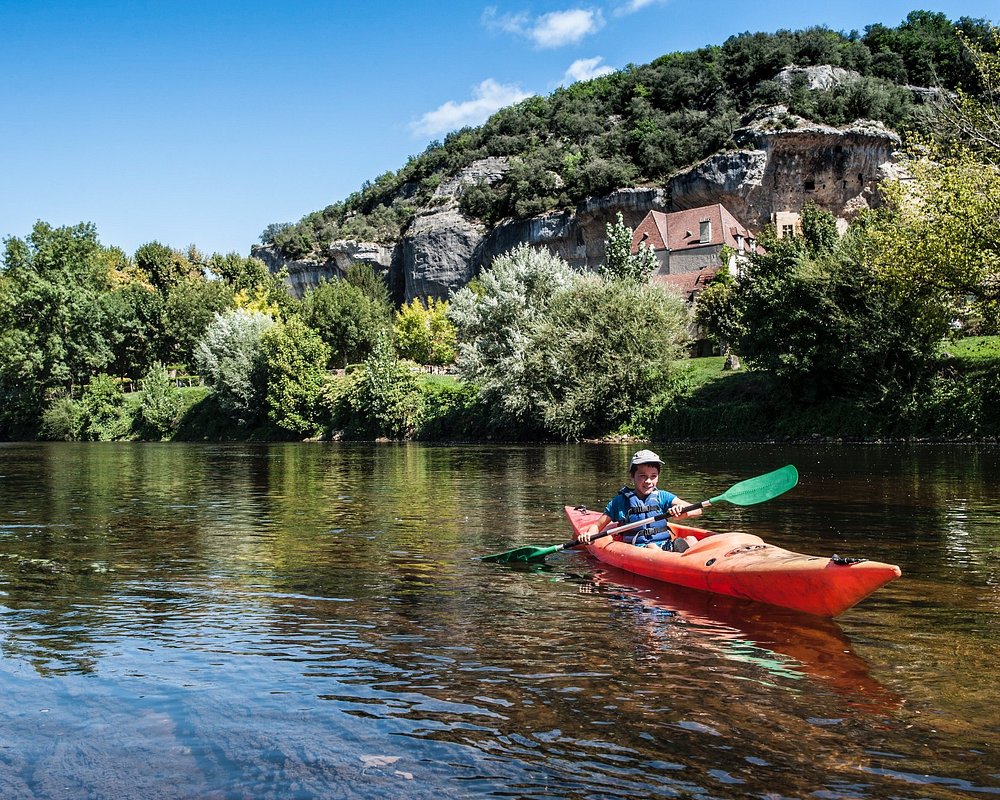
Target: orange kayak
column 744, row 565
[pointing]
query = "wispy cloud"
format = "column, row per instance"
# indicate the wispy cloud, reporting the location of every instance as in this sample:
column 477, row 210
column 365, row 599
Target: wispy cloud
column 487, row 97
column 584, row 69
column 635, row 5
column 555, row 29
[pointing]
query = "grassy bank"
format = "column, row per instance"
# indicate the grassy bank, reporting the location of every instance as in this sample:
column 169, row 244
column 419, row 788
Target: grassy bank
column 960, row 402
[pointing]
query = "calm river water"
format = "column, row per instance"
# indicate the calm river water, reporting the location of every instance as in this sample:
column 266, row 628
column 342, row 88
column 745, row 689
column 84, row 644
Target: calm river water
column 313, row 621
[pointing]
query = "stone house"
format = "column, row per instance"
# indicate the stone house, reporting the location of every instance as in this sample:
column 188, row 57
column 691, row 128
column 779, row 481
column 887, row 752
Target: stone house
column 688, row 245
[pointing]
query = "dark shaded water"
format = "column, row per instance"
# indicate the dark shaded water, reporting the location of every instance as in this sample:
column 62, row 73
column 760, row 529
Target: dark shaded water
column 312, row 621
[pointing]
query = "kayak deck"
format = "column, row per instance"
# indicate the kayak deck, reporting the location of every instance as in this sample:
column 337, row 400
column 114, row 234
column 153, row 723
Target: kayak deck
column 743, row 565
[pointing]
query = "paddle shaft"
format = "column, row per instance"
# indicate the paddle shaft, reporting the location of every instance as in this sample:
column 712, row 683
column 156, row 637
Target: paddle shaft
column 609, row 531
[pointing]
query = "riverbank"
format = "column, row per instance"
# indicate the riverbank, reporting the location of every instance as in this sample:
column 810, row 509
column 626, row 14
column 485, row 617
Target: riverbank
column 960, row 402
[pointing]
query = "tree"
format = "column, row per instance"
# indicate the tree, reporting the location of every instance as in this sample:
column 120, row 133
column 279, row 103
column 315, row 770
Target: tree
column 189, row 308
column 160, row 406
column 423, row 332
column 938, row 238
column 52, row 319
column 164, row 266
column 133, row 313
column 819, row 229
column 828, row 325
column 371, row 285
column 295, row 360
column 494, row 322
column 602, row 353
column 251, row 280
column 229, row 357
column 562, row 353
column 715, row 310
column 621, row 264
column 347, row 319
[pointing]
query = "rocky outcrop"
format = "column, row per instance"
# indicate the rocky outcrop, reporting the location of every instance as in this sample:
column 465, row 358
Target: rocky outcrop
column 819, row 78
column 576, row 235
column 779, row 163
column 440, row 252
column 784, row 162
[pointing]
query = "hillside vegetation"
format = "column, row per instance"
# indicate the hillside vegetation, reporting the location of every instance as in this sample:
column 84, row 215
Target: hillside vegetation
column 640, row 124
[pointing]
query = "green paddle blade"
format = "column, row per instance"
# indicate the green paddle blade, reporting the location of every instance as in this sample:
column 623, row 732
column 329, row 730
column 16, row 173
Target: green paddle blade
column 521, row 554
column 761, row 488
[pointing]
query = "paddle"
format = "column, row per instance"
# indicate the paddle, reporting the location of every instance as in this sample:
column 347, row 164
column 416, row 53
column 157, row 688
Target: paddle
column 744, row 493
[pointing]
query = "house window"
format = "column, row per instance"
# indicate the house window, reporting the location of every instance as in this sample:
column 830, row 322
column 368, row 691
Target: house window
column 787, row 231
column 810, row 185
column 705, row 231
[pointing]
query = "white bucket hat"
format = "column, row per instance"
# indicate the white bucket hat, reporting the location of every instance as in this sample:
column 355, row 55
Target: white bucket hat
column 645, row 457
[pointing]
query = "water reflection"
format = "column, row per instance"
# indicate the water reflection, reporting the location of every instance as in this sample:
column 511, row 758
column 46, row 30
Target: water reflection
column 314, row 621
column 784, row 643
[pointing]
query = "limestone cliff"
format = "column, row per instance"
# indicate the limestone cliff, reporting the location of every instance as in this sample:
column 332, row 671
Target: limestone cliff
column 778, row 164
column 783, row 162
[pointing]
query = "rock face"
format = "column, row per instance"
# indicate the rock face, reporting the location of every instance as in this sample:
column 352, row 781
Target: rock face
column 785, row 162
column 820, row 77
column 780, row 163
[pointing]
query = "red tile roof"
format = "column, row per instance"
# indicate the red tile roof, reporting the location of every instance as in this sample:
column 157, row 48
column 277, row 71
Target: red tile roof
column 681, row 230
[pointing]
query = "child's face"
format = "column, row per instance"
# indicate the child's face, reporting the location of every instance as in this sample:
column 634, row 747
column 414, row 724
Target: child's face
column 645, row 478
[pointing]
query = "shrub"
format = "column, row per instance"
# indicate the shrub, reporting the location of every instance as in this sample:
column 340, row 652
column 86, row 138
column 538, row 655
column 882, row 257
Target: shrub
column 62, row 420
column 295, row 360
column 106, row 416
column 160, row 406
column 381, row 399
column 229, row 357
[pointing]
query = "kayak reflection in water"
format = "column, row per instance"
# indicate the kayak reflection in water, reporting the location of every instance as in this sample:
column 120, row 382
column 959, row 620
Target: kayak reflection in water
column 641, row 501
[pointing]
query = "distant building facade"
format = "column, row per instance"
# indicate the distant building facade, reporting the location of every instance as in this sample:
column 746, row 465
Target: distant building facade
column 688, row 245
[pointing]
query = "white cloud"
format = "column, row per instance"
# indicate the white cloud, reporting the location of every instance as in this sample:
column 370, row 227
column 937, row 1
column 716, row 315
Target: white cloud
column 635, row 5
column 560, row 28
column 555, row 29
column 487, row 97
column 584, row 69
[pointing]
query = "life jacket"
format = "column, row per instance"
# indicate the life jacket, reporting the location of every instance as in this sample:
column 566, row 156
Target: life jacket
column 656, row 531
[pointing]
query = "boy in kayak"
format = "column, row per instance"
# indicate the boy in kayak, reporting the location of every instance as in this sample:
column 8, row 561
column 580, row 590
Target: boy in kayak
column 641, row 502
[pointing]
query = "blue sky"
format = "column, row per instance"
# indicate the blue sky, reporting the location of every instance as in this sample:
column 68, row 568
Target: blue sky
column 203, row 122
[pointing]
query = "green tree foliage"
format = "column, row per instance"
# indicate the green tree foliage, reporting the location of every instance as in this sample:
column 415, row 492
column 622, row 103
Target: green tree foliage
column 295, row 359
column 621, row 264
column 603, row 351
column 52, row 319
column 939, row 239
column 255, row 286
column 716, row 313
column 558, row 352
column 494, row 325
column 424, row 334
column 372, row 286
column 382, row 399
column 229, row 357
column 62, row 420
column 160, row 406
column 189, row 308
column 826, row 326
column 105, row 414
column 346, row 318
column 819, row 229
column 133, row 314
column 165, row 267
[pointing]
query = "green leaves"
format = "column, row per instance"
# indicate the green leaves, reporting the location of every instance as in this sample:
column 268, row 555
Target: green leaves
column 562, row 353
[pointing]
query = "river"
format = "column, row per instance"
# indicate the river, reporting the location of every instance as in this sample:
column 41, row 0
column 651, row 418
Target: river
column 314, row 621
